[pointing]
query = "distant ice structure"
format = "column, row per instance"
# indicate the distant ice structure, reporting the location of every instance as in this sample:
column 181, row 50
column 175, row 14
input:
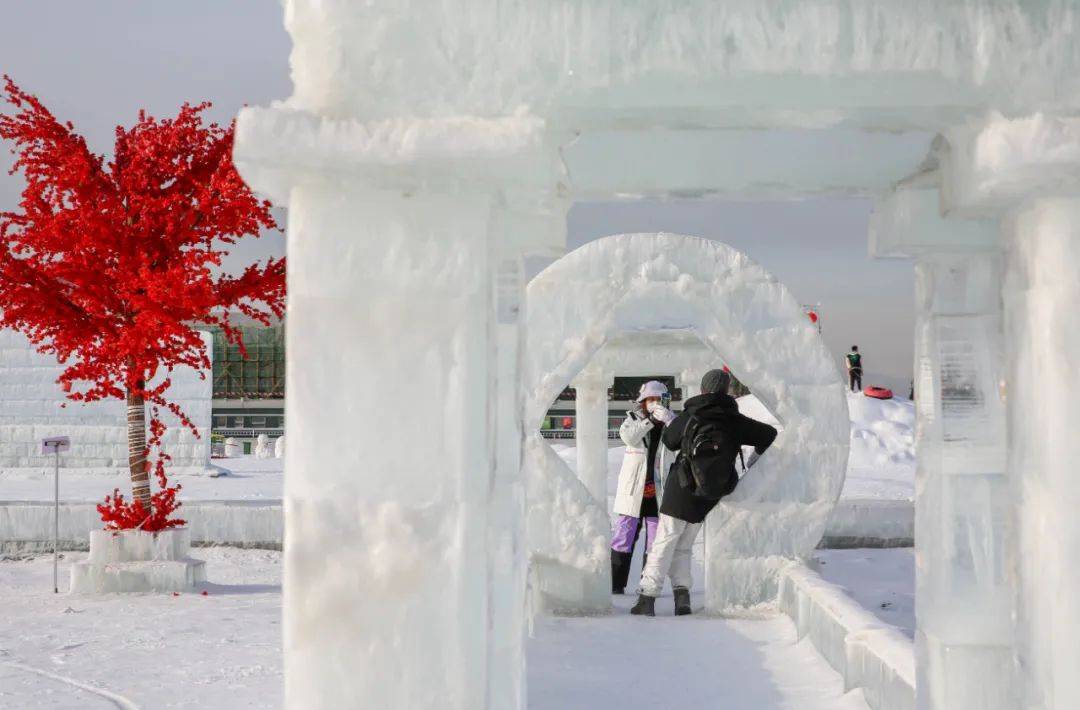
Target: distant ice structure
column 279, row 447
column 660, row 283
column 33, row 406
column 263, row 449
column 423, row 154
column 232, row 448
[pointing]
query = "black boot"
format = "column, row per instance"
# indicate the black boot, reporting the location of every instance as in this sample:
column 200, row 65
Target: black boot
column 620, row 571
column 682, row 601
column 645, row 606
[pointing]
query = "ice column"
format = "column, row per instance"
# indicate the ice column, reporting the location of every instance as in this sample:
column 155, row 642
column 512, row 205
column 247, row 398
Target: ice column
column 963, row 587
column 963, row 592
column 1028, row 170
column 1042, row 296
column 404, row 558
column 591, row 408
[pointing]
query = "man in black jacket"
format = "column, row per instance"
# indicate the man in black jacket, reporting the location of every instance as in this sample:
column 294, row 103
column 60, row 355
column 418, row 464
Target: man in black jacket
column 681, row 511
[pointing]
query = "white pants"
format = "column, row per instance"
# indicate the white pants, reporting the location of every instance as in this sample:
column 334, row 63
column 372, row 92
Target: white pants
column 670, row 556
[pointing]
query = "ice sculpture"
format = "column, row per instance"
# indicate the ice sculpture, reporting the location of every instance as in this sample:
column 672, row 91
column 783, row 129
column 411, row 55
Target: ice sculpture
column 963, row 600
column 426, row 148
column 665, row 282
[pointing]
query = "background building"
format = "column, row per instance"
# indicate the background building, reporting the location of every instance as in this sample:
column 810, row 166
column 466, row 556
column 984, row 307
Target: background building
column 249, row 393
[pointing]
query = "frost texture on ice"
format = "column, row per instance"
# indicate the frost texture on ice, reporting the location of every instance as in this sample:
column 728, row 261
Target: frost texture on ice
column 761, row 60
column 647, row 283
column 995, row 164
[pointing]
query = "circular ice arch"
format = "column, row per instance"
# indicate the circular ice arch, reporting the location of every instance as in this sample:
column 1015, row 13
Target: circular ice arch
column 667, row 282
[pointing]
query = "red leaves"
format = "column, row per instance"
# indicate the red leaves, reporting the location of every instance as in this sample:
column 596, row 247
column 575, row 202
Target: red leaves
column 118, row 514
column 109, row 265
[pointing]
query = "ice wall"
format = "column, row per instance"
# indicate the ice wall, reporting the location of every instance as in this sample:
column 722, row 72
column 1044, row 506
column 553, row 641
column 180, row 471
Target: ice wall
column 659, row 282
column 32, row 407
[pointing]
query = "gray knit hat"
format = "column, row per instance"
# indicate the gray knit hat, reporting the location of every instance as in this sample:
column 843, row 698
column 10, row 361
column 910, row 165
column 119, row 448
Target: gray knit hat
column 715, row 381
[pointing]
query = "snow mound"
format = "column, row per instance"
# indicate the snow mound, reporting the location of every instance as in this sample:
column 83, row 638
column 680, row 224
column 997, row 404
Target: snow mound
column 882, row 459
column 882, row 431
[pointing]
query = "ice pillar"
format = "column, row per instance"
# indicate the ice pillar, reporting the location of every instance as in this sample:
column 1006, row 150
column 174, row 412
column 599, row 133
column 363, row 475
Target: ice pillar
column 962, row 506
column 963, row 592
column 591, row 407
column 1042, row 296
column 390, row 459
column 404, row 547
column 1027, row 170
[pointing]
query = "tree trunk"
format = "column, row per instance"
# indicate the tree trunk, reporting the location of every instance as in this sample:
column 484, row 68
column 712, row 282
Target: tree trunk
column 137, row 463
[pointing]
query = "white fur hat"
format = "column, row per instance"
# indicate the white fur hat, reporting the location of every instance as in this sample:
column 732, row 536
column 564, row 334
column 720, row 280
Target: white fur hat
column 652, row 388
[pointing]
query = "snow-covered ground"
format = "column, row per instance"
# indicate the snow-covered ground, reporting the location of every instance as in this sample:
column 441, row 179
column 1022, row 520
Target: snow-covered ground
column 882, row 581
column 624, row 662
column 224, row 650
column 154, row 650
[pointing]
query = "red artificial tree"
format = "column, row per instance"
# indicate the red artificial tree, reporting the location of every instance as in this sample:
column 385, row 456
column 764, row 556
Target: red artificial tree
column 110, row 264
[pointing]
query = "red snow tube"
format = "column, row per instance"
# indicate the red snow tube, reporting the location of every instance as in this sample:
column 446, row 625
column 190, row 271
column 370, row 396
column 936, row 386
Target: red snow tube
column 878, row 392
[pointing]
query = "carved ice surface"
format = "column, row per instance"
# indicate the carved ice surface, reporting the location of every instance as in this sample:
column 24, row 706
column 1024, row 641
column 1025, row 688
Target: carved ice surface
column 902, row 60
column 663, row 282
column 963, row 595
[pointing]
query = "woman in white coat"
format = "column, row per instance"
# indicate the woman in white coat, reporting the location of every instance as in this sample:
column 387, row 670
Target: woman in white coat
column 640, row 479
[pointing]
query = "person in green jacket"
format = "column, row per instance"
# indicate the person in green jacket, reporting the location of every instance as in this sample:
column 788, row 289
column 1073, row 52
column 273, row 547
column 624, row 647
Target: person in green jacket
column 854, row 368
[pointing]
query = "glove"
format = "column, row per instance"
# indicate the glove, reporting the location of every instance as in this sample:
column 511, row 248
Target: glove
column 660, row 413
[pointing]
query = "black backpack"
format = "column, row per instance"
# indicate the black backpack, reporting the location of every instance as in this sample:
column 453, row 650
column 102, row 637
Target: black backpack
column 707, row 458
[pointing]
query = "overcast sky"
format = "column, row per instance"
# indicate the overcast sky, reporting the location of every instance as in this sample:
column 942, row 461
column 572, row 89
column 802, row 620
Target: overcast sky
column 97, row 63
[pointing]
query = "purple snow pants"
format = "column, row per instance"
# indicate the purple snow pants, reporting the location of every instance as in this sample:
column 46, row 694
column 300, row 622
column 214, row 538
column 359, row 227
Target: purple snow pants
column 626, row 531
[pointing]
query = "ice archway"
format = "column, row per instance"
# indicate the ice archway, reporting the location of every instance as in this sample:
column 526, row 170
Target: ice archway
column 665, row 282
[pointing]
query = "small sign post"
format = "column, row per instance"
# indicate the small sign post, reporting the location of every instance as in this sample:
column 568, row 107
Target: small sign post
column 54, row 445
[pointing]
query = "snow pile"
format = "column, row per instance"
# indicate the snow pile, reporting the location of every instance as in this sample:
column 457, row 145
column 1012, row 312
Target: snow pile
column 663, row 282
column 882, row 463
column 882, row 460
